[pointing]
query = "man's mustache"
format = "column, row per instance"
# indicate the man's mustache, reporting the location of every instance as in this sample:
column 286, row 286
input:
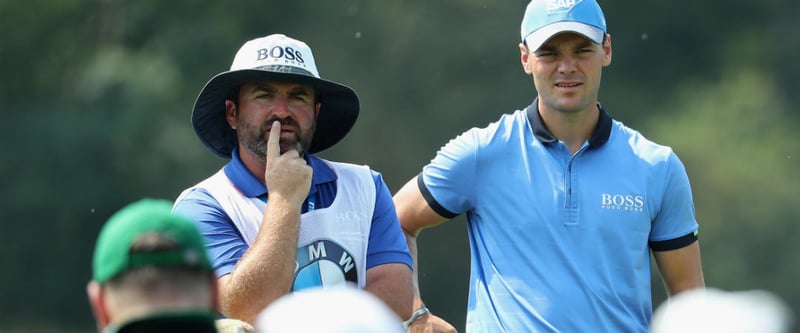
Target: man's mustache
column 288, row 122
column 284, row 122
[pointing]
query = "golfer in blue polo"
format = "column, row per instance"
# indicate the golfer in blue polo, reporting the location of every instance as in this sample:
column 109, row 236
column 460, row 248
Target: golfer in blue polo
column 564, row 204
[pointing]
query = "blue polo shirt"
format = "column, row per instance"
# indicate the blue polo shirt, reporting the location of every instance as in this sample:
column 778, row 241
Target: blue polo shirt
column 226, row 246
column 560, row 242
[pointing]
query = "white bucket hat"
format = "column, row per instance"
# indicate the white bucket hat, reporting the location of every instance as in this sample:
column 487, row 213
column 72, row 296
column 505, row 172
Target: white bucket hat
column 274, row 58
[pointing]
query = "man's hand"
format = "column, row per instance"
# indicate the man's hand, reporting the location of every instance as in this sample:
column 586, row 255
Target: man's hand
column 430, row 323
column 287, row 176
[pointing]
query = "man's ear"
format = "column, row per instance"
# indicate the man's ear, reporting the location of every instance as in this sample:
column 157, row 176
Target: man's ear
column 214, row 287
column 523, row 57
column 230, row 113
column 95, row 293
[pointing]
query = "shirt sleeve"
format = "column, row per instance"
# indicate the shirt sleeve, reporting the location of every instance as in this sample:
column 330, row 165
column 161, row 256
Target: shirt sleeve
column 448, row 180
column 676, row 217
column 224, row 243
column 387, row 243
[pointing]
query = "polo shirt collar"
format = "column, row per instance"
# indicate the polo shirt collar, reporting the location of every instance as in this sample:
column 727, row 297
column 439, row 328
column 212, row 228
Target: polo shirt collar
column 250, row 186
column 600, row 136
column 198, row 322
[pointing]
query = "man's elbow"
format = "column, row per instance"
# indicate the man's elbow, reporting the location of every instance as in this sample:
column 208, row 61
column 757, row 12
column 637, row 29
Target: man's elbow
column 238, row 310
column 245, row 305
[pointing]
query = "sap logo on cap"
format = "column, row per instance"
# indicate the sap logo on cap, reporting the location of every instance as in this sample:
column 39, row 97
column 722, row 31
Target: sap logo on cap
column 560, row 6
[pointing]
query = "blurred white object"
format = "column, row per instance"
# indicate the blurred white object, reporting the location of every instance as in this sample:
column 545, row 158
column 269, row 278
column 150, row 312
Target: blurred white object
column 329, row 310
column 713, row 310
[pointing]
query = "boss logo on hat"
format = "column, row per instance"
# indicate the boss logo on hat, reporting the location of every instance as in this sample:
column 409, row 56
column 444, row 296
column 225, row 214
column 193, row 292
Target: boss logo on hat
column 280, row 52
column 561, row 5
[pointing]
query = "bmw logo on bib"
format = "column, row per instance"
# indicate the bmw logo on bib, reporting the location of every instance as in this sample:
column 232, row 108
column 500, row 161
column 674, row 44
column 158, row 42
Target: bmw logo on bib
column 323, row 263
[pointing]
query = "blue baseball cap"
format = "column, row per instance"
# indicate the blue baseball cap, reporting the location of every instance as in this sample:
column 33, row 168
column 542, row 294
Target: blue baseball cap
column 544, row 19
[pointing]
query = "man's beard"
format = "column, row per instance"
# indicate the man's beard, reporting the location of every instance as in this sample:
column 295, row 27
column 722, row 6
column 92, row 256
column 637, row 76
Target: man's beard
column 254, row 139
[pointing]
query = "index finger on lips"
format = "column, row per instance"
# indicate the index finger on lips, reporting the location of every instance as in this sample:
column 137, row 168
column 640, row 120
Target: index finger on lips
column 274, row 140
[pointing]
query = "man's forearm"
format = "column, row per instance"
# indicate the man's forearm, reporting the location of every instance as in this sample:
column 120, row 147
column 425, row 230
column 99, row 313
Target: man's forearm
column 266, row 270
column 392, row 284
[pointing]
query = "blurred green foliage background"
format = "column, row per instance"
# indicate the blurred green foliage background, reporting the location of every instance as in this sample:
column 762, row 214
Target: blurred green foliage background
column 96, row 98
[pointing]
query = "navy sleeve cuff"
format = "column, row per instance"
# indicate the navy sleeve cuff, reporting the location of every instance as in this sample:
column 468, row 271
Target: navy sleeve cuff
column 431, row 201
column 676, row 243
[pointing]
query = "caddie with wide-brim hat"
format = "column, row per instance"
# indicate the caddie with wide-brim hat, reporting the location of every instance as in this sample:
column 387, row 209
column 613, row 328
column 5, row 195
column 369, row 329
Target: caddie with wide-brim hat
column 277, row 218
column 274, row 58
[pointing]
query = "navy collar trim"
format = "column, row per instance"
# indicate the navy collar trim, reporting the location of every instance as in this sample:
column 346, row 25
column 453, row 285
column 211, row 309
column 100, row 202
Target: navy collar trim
column 600, row 136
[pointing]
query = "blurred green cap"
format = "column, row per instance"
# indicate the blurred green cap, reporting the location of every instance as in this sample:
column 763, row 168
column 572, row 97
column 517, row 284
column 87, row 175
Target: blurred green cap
column 113, row 255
